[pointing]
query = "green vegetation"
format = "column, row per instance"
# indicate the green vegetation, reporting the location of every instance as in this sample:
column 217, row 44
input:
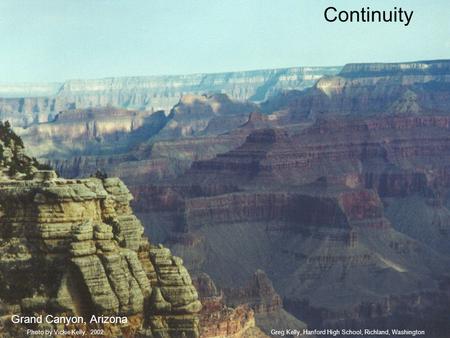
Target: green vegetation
column 8, row 136
column 12, row 154
column 100, row 174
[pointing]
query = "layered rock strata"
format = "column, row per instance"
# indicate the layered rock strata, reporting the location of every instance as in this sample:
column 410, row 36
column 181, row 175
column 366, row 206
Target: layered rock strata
column 92, row 132
column 371, row 89
column 141, row 146
column 25, row 104
column 315, row 207
column 362, row 152
column 74, row 248
column 219, row 320
column 258, row 293
column 196, row 115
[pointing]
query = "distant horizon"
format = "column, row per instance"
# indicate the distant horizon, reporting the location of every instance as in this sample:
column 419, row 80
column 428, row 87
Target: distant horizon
column 218, row 72
column 51, row 41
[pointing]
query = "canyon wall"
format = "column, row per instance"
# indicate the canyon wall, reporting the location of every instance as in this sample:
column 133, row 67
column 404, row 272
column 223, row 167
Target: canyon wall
column 339, row 192
column 85, row 252
column 308, row 204
column 75, row 248
column 25, row 104
column 217, row 319
column 362, row 152
column 371, row 89
column 91, row 132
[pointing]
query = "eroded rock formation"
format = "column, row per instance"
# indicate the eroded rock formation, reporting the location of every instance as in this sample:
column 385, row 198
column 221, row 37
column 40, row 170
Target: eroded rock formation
column 197, row 115
column 371, row 89
column 74, row 248
column 260, row 295
column 219, row 320
column 92, row 132
column 363, row 152
column 314, row 207
column 348, row 215
column 25, row 104
column 141, row 146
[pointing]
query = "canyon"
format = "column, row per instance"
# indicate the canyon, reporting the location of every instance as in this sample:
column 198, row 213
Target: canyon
column 27, row 104
column 370, row 90
column 72, row 250
column 345, row 208
column 325, row 206
column 334, row 204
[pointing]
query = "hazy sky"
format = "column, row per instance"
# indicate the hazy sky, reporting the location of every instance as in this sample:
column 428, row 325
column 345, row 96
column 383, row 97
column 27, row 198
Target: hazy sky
column 54, row 40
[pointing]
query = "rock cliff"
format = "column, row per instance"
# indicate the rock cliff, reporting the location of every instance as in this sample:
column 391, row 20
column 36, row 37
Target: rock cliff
column 19, row 104
column 371, row 89
column 206, row 115
column 319, row 207
column 74, row 248
column 340, row 193
column 219, row 320
column 362, row 152
column 140, row 145
column 91, row 132
column 260, row 295
column 127, row 143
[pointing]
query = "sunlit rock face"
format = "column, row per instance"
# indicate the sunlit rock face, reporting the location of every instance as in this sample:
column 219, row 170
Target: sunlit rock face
column 15, row 90
column 93, row 131
column 24, row 104
column 82, row 248
column 111, row 123
column 217, row 319
column 200, row 115
column 142, row 145
column 75, row 248
column 371, row 89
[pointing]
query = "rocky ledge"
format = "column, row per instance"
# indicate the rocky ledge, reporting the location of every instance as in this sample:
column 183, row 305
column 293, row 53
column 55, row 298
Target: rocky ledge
column 219, row 320
column 26, row 104
column 74, row 248
column 372, row 89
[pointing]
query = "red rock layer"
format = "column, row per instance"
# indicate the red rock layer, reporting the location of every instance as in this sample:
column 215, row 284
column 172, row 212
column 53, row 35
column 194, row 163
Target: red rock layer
column 217, row 319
